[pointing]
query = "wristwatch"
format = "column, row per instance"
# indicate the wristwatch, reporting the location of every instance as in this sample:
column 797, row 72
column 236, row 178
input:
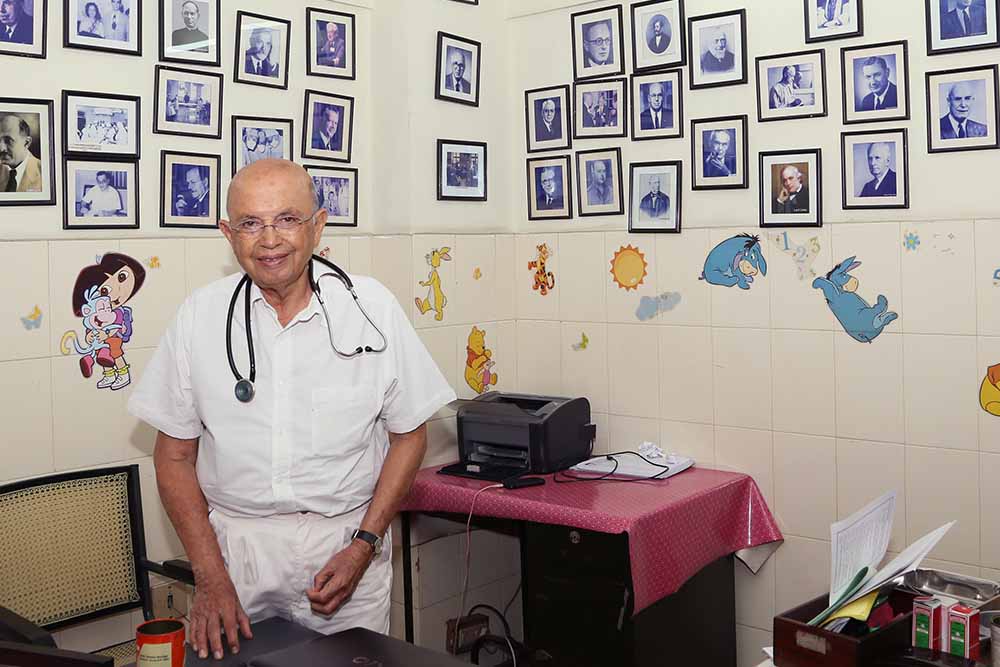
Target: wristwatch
column 371, row 538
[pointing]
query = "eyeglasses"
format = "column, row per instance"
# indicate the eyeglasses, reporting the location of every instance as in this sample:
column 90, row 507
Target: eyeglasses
column 283, row 223
column 601, row 41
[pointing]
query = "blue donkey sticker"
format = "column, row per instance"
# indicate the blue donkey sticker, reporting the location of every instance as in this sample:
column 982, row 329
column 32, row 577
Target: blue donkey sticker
column 862, row 322
column 735, row 261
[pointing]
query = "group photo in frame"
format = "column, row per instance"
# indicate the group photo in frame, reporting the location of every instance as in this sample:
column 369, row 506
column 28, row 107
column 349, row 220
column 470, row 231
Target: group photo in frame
column 336, row 193
column 100, row 193
column 833, row 19
column 330, row 47
column 658, row 35
column 655, row 197
column 657, row 105
column 961, row 25
column 600, row 109
column 791, row 85
column 876, row 82
column 875, row 170
column 962, row 109
column 262, row 47
column 461, row 170
column 101, row 123
column 550, row 188
column 190, row 31
column 791, row 188
column 717, row 49
column 187, row 102
column 458, row 67
column 546, row 119
column 25, row 23
column 598, row 43
column 719, row 153
column 328, row 126
column 190, row 185
column 27, row 168
column 599, row 182
column 103, row 25
column 255, row 138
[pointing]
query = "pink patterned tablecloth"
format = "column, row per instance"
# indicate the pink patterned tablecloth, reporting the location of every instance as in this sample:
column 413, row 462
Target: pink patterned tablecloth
column 675, row 526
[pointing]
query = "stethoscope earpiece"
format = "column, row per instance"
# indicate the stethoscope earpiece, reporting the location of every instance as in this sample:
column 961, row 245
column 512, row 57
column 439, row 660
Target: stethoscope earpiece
column 244, row 391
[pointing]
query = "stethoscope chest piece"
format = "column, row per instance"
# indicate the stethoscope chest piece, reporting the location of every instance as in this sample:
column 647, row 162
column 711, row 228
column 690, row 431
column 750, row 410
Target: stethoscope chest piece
column 244, row 391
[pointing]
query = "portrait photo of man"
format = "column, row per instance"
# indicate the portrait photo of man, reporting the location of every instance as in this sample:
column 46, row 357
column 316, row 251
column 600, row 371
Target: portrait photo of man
column 655, row 204
column 102, row 199
column 880, row 158
column 331, row 45
column 190, row 36
column 963, row 100
column 117, row 22
column 549, row 194
column 793, row 196
column 782, row 94
column 719, row 153
column 658, row 34
column 328, row 132
column 17, row 26
column 717, row 56
column 656, row 98
column 597, row 44
column 599, row 190
column 548, row 120
column 875, row 76
column 455, row 80
column 20, row 166
column 191, row 191
column 257, row 60
column 962, row 18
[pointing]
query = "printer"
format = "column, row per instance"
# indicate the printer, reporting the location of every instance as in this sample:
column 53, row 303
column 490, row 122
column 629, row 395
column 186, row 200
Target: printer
column 503, row 435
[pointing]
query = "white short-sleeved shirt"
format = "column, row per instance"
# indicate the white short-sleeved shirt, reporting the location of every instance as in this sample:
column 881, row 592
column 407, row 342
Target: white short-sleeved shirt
column 103, row 201
column 316, row 433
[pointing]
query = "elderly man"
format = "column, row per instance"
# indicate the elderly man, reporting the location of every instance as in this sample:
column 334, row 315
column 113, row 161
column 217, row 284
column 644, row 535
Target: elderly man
column 597, row 50
column 719, row 164
column 20, row 171
column 189, row 35
column 794, row 195
column 655, row 204
column 456, row 80
column 883, row 93
column 883, row 183
column 328, row 137
column 16, row 25
column 331, row 53
column 956, row 124
column 548, row 198
column 258, row 57
column 195, row 203
column 718, row 57
column 659, row 40
column 655, row 116
column 964, row 20
column 599, row 190
column 283, row 504
column 782, row 95
column 546, row 127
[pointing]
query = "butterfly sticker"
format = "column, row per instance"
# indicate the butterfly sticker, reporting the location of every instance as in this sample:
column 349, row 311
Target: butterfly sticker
column 582, row 345
column 153, row 262
column 33, row 320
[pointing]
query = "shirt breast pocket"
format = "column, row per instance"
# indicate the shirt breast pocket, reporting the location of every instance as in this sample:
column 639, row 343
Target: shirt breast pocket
column 343, row 419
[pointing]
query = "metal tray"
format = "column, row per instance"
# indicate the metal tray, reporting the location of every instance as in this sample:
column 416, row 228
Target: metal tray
column 970, row 590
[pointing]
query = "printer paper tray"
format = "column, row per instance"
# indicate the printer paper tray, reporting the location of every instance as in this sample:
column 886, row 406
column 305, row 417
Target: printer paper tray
column 493, row 473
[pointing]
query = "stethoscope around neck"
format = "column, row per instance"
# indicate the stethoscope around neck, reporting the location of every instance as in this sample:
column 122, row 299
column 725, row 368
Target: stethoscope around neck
column 244, row 389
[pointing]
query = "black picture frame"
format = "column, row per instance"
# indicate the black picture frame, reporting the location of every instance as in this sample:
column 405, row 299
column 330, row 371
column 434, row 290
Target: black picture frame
column 929, row 23
column 240, row 75
column 442, row 195
column 695, row 63
column 214, row 192
column 616, row 166
column 213, row 59
column 159, row 126
column 467, row 2
column 902, row 81
column 47, row 153
column 582, row 88
column 69, row 201
column 768, row 115
column 136, row 127
column 681, row 35
column 636, row 81
column 809, row 7
column 564, row 114
column 474, row 48
column 901, row 177
column 534, row 210
column 346, row 103
column 743, row 166
column 236, row 138
column 69, row 16
column 36, row 48
column 324, row 170
column 315, row 14
column 934, row 142
column 674, row 196
column 814, row 182
column 618, row 48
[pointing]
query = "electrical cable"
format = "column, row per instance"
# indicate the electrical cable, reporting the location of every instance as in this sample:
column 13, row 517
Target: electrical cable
column 605, row 477
column 503, row 619
column 512, row 598
column 468, row 554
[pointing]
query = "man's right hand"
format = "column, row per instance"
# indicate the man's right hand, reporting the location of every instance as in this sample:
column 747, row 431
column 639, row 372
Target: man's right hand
column 216, row 607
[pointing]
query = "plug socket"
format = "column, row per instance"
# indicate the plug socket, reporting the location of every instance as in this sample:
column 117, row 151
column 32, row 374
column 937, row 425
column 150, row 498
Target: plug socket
column 462, row 633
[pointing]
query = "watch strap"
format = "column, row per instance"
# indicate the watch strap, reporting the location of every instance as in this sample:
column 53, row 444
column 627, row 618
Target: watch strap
column 373, row 540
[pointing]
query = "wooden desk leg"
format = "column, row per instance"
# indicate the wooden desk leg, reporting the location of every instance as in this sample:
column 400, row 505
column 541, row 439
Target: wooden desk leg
column 404, row 521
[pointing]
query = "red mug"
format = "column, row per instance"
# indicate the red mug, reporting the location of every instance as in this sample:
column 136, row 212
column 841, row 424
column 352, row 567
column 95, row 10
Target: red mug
column 160, row 643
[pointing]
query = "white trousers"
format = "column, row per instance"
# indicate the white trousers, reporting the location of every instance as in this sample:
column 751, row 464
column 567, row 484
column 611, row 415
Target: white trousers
column 274, row 560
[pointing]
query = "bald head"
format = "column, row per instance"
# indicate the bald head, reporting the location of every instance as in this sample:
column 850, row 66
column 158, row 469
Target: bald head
column 282, row 177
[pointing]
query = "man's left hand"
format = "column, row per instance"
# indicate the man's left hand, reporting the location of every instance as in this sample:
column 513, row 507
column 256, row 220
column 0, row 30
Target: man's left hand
column 336, row 581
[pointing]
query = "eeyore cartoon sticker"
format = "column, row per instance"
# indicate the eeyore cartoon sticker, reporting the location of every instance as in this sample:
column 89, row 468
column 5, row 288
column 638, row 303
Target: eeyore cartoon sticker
column 735, row 261
column 862, row 322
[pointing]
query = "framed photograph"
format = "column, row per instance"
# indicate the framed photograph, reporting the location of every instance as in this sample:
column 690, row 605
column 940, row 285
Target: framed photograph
column 457, row 77
column 189, row 31
column 962, row 109
column 791, row 85
column 832, row 19
column 655, row 197
column 550, row 188
column 961, row 25
column 188, row 103
column 461, row 170
column 717, row 49
column 259, row 138
column 261, row 50
column 876, row 85
column 23, row 28
column 467, row 2
column 99, row 193
column 103, row 25
column 875, row 169
column 546, row 119
column 791, row 188
column 27, row 152
column 657, row 105
column 101, row 123
column 658, row 35
column 600, row 109
column 599, row 181
column 329, row 126
column 189, row 189
column 597, row 43
column 330, row 49
column 719, row 156
column 337, row 192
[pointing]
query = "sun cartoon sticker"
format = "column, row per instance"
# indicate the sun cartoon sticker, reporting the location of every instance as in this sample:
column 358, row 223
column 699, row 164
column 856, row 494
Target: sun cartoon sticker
column 628, row 267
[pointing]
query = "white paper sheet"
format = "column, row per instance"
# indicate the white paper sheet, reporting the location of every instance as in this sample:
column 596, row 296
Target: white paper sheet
column 860, row 541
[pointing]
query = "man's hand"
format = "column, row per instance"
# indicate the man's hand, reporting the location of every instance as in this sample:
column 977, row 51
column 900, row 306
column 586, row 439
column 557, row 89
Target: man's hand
column 335, row 582
column 783, row 196
column 216, row 606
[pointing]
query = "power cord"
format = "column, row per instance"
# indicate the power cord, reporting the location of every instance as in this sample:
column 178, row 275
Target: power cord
column 605, row 477
column 468, row 548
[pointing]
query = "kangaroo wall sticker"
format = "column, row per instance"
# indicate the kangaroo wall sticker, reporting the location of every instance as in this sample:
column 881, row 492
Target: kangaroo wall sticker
column 862, row 322
column 735, row 261
column 435, row 299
